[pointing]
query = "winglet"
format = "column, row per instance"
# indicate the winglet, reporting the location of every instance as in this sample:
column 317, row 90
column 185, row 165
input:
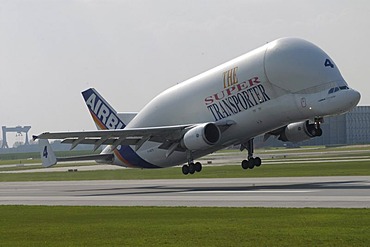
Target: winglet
column 47, row 155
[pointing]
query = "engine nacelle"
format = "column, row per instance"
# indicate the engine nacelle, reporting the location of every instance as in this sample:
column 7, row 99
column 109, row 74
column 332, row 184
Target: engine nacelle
column 201, row 137
column 296, row 132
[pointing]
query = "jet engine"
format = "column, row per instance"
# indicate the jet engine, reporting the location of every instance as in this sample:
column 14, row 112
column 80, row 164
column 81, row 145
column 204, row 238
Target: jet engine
column 296, row 132
column 201, row 136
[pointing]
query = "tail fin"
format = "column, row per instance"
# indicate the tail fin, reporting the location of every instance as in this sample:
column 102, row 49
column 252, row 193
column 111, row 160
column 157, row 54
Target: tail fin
column 47, row 154
column 103, row 114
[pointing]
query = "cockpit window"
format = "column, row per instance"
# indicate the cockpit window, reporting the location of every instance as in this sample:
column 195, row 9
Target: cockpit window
column 336, row 89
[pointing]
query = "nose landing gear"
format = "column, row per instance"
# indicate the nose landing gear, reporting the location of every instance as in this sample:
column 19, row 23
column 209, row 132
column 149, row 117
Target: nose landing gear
column 318, row 129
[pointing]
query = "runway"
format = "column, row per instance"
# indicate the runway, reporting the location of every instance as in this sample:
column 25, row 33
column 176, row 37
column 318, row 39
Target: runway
column 336, row 192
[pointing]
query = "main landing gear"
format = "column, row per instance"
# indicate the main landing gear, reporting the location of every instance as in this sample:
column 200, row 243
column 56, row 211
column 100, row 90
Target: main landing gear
column 191, row 168
column 250, row 162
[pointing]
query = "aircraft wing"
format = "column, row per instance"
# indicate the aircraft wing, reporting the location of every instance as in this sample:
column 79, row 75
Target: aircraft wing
column 169, row 136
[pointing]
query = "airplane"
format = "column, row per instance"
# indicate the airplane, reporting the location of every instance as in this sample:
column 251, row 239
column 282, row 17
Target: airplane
column 284, row 88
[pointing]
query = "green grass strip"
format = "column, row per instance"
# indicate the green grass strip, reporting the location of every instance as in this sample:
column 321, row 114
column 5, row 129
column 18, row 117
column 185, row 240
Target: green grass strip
column 352, row 168
column 160, row 226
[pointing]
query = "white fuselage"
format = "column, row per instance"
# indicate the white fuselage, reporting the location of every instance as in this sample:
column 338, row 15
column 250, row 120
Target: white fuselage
column 282, row 82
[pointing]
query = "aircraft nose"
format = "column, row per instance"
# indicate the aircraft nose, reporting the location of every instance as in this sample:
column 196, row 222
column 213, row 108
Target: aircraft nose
column 355, row 97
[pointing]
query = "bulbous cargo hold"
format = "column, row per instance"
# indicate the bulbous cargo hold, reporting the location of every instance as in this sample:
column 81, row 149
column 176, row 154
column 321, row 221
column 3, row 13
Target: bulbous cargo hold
column 297, row 65
column 301, row 68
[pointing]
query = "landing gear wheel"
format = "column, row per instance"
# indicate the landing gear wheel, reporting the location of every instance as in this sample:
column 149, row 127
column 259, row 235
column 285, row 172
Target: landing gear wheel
column 245, row 164
column 191, row 168
column 257, row 161
column 185, row 169
column 198, row 167
column 251, row 162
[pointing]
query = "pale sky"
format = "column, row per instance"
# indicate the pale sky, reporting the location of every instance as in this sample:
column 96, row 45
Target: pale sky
column 51, row 50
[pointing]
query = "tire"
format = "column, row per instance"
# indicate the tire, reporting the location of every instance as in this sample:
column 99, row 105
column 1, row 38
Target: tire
column 191, row 168
column 251, row 163
column 185, row 169
column 257, row 161
column 245, row 164
column 198, row 167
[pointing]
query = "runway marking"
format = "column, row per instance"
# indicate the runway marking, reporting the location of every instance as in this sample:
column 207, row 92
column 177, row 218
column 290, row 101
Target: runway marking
column 250, row 191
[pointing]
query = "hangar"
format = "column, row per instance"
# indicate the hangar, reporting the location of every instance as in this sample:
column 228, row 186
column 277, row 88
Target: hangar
column 347, row 129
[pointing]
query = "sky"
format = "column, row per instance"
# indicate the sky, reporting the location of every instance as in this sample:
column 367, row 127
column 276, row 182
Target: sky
column 51, row 50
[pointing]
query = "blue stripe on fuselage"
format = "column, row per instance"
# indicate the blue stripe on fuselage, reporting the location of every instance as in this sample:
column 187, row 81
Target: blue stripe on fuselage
column 129, row 155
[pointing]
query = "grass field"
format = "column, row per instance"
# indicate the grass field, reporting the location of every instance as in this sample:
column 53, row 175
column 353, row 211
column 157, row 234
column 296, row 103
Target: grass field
column 149, row 226
column 187, row 226
column 29, row 158
column 352, row 168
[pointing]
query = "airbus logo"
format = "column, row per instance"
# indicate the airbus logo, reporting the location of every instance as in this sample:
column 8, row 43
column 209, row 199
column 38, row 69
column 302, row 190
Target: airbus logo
column 107, row 116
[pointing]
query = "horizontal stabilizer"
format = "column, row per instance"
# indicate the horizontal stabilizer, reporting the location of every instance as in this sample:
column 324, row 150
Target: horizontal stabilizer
column 96, row 157
column 49, row 159
column 126, row 117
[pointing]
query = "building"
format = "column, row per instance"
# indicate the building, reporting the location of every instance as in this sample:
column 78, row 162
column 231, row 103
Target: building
column 350, row 128
column 347, row 129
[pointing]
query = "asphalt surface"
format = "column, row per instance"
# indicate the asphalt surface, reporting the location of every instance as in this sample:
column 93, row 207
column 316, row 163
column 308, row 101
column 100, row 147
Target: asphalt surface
column 336, row 192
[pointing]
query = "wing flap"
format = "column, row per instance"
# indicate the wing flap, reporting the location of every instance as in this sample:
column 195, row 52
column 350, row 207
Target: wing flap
column 98, row 142
column 97, row 157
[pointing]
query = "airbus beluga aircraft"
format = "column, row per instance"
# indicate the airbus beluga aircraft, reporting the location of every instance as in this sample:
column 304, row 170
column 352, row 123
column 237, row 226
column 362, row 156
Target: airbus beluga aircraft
column 284, row 89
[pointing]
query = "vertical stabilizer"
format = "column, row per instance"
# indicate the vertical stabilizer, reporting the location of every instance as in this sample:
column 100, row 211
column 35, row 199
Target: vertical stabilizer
column 103, row 114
